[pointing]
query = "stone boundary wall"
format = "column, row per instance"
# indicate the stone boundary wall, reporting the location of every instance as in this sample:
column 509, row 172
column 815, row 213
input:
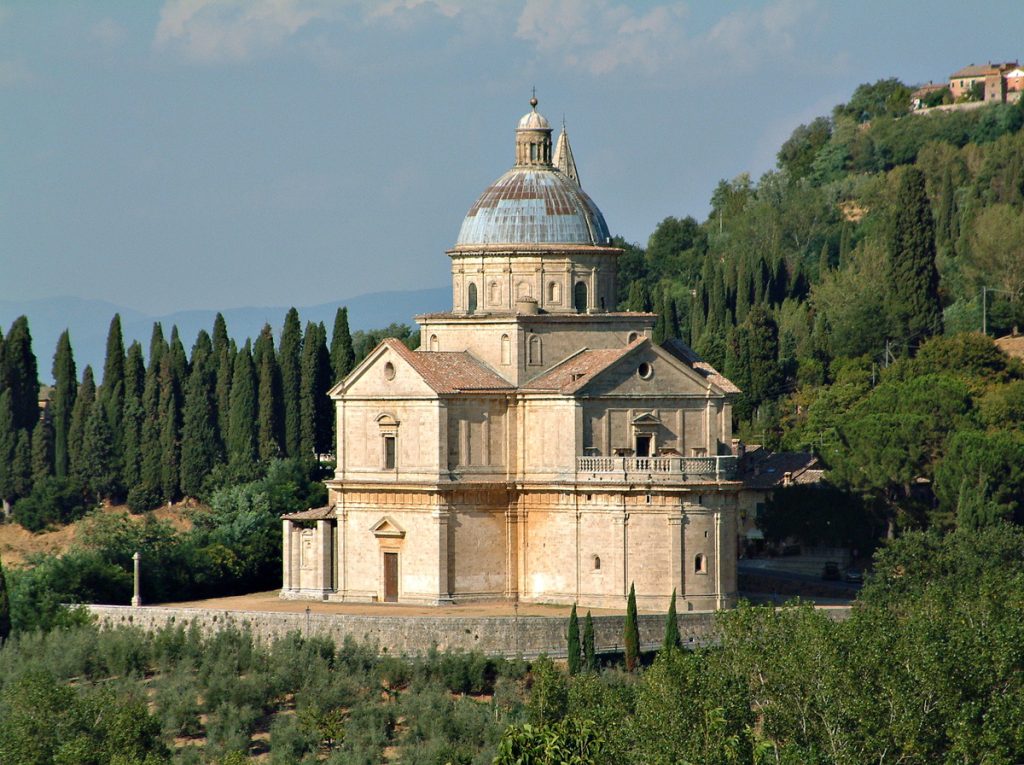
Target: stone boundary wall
column 509, row 636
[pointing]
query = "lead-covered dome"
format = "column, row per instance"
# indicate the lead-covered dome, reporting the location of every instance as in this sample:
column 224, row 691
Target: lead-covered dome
column 534, row 205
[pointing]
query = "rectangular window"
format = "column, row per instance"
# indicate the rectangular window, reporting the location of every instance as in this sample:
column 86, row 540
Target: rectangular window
column 389, row 452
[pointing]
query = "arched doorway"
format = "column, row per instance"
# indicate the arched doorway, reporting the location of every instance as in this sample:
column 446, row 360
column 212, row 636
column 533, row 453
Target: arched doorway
column 579, row 296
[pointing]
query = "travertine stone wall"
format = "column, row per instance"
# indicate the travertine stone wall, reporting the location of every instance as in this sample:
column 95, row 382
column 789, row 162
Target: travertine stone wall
column 527, row 636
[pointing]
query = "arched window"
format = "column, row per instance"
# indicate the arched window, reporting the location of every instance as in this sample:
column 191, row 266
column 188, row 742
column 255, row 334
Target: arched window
column 700, row 564
column 434, row 344
column 522, row 290
column 579, row 297
column 631, row 337
column 597, row 563
column 506, row 350
column 534, row 354
column 494, row 295
column 471, row 303
column 554, row 293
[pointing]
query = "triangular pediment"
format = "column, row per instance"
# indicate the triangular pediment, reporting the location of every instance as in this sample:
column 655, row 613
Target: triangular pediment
column 650, row 370
column 384, row 373
column 386, row 528
column 647, row 418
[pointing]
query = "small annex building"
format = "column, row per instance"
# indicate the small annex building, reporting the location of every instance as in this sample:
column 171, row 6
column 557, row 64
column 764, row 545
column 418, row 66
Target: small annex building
column 538, row 446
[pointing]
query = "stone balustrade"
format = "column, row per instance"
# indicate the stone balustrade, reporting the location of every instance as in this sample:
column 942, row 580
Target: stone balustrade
column 663, row 469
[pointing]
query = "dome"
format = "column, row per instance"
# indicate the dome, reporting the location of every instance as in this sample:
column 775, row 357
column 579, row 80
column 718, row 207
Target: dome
column 533, row 120
column 534, row 205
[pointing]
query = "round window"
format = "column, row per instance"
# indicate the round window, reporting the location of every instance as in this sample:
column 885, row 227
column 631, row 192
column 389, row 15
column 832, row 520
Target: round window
column 645, row 370
column 389, row 371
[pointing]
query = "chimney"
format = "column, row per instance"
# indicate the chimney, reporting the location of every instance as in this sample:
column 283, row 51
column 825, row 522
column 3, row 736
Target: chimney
column 738, row 448
column 787, row 478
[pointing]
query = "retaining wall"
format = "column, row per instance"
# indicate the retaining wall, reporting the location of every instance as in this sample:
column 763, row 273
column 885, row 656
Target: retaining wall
column 526, row 636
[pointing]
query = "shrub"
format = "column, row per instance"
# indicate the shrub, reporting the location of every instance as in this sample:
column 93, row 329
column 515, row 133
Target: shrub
column 53, row 501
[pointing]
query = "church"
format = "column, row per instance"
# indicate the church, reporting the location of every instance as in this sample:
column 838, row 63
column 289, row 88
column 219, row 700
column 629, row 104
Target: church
column 538, row 446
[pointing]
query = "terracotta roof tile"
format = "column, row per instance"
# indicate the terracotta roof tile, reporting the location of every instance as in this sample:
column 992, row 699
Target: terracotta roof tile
column 313, row 514
column 450, row 372
column 761, row 469
column 579, row 369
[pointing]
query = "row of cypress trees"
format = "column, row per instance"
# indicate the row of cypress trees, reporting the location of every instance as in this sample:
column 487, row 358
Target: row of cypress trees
column 156, row 429
column 582, row 656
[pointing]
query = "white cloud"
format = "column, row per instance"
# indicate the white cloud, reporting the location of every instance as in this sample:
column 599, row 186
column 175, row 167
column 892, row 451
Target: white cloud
column 235, row 30
column 215, row 30
column 601, row 36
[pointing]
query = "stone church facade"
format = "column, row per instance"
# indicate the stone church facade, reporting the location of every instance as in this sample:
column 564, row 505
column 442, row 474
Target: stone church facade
column 538, row 446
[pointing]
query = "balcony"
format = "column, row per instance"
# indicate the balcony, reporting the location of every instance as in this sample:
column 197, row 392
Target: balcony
column 657, row 469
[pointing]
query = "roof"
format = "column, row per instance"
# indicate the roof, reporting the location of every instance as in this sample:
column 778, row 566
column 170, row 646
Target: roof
column 563, row 159
column 982, row 70
column 931, row 87
column 534, row 205
column 533, row 120
column 1012, row 345
column 450, row 371
column 762, row 469
column 579, row 369
column 313, row 514
column 686, row 354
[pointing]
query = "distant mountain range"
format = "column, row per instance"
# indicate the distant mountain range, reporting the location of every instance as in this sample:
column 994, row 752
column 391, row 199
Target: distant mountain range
column 89, row 321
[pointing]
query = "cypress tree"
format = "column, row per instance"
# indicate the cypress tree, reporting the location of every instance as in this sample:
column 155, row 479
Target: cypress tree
column 631, row 633
column 202, row 356
column 8, row 444
column 149, row 491
column 220, row 340
column 914, row 308
column 323, row 406
column 589, row 654
column 242, row 438
column 845, row 245
column 79, row 417
column 824, row 264
column 19, row 374
column 42, row 451
column 290, row 363
column 170, row 425
column 225, row 370
column 21, row 467
column 660, row 332
column 574, row 642
column 5, row 607
column 96, row 469
column 179, row 361
column 199, row 450
column 946, row 213
column 316, row 406
column 639, row 297
column 671, row 318
column 672, row 639
column 134, row 372
column 111, row 393
column 269, row 445
column 132, row 417
column 343, row 356
column 157, row 347
column 64, row 392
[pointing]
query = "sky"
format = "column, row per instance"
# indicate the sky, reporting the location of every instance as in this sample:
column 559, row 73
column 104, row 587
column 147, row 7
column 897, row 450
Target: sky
column 214, row 154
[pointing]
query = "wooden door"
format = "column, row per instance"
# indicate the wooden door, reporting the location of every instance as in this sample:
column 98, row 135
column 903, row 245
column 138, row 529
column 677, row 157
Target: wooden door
column 390, row 577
